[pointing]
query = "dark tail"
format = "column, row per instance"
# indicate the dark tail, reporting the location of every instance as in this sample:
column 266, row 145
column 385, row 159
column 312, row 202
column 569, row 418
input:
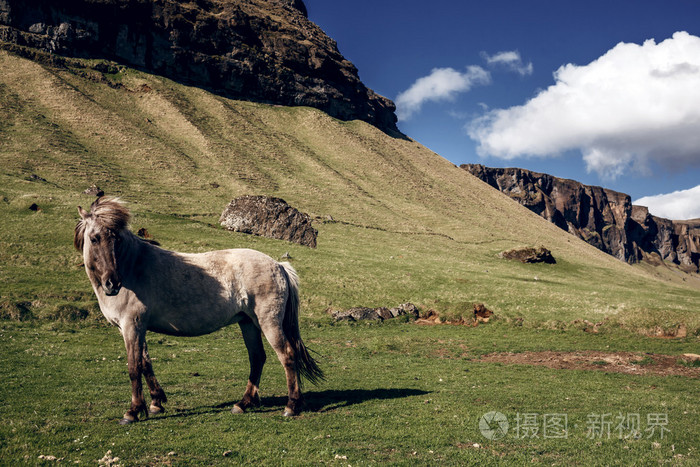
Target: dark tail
column 305, row 365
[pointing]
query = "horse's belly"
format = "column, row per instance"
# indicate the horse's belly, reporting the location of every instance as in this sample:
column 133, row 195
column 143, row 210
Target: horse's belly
column 192, row 324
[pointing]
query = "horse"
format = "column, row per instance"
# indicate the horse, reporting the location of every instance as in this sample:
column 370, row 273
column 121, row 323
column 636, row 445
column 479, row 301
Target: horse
column 142, row 287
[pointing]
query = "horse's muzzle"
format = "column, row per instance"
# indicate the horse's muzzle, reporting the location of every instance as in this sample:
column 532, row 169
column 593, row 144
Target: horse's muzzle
column 111, row 287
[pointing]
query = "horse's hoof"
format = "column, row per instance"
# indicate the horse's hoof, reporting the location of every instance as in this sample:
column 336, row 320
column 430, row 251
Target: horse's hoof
column 236, row 410
column 155, row 410
column 289, row 412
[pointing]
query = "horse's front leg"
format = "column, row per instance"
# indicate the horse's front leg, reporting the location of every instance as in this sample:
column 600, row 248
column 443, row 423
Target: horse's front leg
column 158, row 397
column 135, row 340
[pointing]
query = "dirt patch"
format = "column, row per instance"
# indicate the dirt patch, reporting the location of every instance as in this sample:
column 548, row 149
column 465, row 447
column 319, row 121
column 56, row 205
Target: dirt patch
column 481, row 314
column 614, row 362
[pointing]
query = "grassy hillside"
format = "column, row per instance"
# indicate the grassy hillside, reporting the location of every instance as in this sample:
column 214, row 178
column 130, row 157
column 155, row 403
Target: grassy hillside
column 407, row 225
column 396, row 223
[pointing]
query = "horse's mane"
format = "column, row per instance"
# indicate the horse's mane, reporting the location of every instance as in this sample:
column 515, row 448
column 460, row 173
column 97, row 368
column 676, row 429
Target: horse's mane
column 111, row 213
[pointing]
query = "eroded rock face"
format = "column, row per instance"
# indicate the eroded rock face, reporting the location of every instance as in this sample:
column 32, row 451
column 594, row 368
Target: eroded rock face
column 269, row 217
column 260, row 50
column 604, row 218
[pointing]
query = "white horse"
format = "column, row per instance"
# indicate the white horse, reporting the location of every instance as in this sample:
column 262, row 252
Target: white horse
column 141, row 287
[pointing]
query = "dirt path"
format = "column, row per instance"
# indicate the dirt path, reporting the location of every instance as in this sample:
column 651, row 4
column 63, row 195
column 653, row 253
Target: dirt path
column 617, row 362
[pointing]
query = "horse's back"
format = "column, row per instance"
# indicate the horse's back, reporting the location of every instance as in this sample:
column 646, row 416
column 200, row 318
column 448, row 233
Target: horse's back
column 207, row 291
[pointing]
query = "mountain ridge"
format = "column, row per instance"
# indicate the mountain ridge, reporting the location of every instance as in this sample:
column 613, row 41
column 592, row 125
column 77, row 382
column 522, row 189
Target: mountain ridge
column 602, row 217
column 260, row 50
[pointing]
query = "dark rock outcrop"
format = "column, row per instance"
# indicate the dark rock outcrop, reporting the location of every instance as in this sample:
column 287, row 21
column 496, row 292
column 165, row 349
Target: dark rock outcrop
column 604, row 218
column 369, row 314
column 269, row 217
column 529, row 255
column 260, row 50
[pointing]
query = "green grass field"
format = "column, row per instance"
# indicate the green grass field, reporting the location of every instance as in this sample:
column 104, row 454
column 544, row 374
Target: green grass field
column 399, row 393
column 405, row 225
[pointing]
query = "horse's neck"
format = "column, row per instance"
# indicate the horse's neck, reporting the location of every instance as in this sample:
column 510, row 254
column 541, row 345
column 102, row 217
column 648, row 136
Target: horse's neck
column 130, row 251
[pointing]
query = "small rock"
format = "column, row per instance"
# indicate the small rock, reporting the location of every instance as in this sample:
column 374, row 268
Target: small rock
column 228, row 453
column 384, row 313
column 35, row 178
column 34, row 207
column 94, row 190
column 356, row 314
column 409, row 309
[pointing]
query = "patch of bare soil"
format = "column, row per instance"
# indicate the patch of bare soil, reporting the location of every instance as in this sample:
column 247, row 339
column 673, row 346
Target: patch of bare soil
column 481, row 315
column 615, row 362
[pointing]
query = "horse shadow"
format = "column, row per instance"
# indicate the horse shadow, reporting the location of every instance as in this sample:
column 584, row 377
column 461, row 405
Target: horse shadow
column 314, row 401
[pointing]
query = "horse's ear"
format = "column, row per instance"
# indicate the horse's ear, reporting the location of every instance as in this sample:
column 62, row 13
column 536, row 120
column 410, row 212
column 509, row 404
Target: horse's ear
column 83, row 213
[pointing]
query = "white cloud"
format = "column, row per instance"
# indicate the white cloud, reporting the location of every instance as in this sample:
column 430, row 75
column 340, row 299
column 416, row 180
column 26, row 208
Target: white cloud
column 510, row 60
column 679, row 205
column 634, row 105
column 440, row 84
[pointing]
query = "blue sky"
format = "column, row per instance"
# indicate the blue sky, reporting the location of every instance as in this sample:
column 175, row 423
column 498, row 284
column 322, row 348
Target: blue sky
column 541, row 84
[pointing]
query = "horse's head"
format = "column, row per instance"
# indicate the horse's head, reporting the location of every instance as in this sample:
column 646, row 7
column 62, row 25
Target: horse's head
column 98, row 235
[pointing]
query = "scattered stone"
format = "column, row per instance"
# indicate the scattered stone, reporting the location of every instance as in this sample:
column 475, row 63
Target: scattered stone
column 35, row 178
column 529, row 255
column 286, row 255
column 381, row 313
column 228, row 453
column 34, row 207
column 384, row 313
column 269, row 217
column 406, row 309
column 108, row 459
column 692, row 356
column 94, row 190
column 481, row 314
column 356, row 314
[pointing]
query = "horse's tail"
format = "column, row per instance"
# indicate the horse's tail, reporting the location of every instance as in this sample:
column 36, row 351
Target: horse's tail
column 304, row 364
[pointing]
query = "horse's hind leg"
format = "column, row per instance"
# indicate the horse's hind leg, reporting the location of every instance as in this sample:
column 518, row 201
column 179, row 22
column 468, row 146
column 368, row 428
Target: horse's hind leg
column 256, row 356
column 285, row 354
column 158, row 397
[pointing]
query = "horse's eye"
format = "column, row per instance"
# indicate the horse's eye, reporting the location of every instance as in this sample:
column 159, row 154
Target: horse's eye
column 94, row 239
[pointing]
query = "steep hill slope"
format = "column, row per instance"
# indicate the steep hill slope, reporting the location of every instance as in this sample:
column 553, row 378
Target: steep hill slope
column 396, row 222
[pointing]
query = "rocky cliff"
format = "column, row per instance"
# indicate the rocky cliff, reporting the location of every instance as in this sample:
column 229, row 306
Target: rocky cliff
column 260, row 50
column 604, row 218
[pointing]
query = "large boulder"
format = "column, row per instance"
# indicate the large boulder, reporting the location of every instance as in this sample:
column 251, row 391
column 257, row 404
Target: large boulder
column 269, row 217
column 529, row 255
